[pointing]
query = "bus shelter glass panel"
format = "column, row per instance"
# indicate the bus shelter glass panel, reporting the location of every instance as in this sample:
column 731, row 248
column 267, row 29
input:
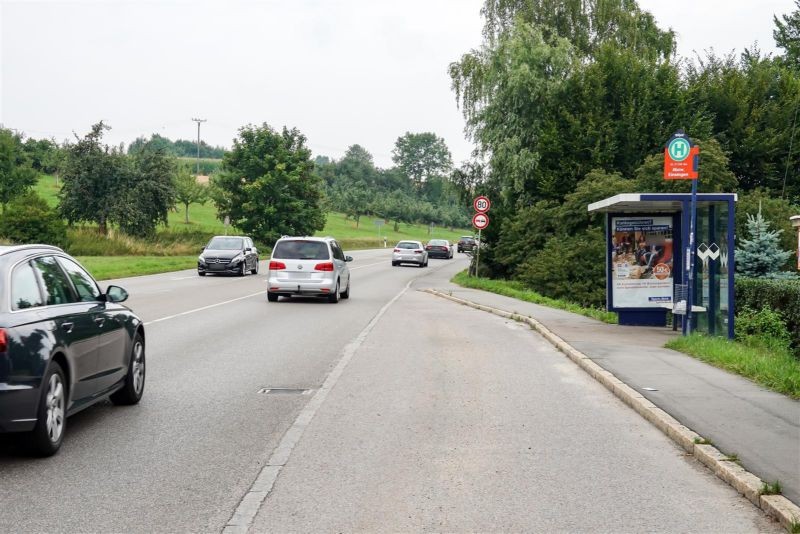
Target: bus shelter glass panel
column 711, row 264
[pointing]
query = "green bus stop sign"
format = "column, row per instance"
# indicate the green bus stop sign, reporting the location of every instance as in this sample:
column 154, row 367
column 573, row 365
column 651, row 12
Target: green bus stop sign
column 679, row 149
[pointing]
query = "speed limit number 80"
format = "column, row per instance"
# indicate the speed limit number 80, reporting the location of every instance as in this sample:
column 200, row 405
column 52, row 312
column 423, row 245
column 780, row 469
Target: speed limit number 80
column 481, row 204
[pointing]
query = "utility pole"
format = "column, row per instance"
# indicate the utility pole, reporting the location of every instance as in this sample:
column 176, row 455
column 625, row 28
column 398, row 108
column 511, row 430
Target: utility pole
column 198, row 121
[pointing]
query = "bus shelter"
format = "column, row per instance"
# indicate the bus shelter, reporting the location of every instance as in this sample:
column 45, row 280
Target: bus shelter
column 647, row 238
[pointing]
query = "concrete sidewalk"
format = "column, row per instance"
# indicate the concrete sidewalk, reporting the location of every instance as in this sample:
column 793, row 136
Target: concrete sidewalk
column 740, row 417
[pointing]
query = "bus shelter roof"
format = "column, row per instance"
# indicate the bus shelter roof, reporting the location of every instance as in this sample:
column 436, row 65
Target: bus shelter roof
column 655, row 202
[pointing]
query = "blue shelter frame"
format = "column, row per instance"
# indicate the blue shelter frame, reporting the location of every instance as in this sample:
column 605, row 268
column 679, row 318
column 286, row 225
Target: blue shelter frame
column 713, row 295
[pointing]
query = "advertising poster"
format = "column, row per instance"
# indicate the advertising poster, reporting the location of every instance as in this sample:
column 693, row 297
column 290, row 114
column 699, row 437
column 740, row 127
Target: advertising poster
column 641, row 261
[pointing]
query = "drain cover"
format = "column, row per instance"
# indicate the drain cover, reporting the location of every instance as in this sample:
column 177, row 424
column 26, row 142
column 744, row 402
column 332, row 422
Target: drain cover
column 284, row 391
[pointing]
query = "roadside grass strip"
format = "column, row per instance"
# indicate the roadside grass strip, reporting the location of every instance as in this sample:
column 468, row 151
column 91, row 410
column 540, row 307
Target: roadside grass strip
column 516, row 290
column 110, row 267
column 747, row 484
column 774, row 369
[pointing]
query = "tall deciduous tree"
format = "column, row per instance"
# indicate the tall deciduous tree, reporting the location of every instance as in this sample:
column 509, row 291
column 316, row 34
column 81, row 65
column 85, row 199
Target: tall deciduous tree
column 422, row 156
column 148, row 192
column 787, row 36
column 268, row 187
column 94, row 177
column 188, row 191
column 16, row 174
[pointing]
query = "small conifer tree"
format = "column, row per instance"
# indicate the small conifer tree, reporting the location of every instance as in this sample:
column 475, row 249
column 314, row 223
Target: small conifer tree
column 761, row 256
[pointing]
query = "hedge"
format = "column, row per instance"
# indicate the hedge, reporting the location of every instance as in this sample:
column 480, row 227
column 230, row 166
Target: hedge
column 782, row 296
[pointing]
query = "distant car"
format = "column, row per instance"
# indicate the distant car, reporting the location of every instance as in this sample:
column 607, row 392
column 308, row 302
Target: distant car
column 466, row 243
column 409, row 252
column 228, row 255
column 64, row 344
column 308, row 266
column 439, row 248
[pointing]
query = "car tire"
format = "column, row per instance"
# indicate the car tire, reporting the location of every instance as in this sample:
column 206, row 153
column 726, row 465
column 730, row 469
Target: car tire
column 395, row 264
column 242, row 269
column 272, row 297
column 131, row 393
column 333, row 297
column 346, row 294
column 254, row 270
column 201, row 273
column 52, row 411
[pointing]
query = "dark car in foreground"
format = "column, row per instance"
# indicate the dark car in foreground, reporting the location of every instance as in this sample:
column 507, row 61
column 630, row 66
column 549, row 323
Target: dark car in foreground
column 439, row 248
column 228, row 255
column 64, row 344
column 466, row 243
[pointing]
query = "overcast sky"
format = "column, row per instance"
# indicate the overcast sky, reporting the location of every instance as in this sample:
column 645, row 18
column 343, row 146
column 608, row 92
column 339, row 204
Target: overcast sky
column 342, row 71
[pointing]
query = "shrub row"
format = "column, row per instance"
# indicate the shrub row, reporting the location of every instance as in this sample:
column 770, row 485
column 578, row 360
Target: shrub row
column 782, row 296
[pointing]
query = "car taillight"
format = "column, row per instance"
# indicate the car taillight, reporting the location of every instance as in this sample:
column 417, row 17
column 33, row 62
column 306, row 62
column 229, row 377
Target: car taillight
column 428, row 247
column 418, row 251
column 3, row 341
column 277, row 266
column 396, row 250
column 328, row 266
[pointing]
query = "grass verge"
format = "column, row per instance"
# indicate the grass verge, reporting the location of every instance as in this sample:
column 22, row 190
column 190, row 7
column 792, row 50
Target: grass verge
column 516, row 290
column 776, row 370
column 108, row 267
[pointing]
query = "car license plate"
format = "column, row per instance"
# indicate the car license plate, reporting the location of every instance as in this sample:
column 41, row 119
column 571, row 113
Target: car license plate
column 299, row 276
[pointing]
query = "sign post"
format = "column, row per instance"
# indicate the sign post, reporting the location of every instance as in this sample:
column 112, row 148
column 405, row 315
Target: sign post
column 379, row 223
column 681, row 161
column 480, row 221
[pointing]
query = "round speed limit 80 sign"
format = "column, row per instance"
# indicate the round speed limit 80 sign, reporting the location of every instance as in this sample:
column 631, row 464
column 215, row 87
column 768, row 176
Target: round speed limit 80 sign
column 481, row 204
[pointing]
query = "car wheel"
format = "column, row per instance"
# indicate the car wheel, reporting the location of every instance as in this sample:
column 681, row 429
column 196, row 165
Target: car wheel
column 51, row 417
column 132, row 391
column 333, row 297
column 255, row 268
column 201, row 273
column 395, row 264
column 242, row 269
column 272, row 297
column 346, row 294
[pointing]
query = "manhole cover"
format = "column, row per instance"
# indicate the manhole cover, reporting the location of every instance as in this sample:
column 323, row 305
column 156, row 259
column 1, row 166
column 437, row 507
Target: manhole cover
column 284, row 391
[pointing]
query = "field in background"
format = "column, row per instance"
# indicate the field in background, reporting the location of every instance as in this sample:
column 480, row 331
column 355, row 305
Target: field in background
column 181, row 239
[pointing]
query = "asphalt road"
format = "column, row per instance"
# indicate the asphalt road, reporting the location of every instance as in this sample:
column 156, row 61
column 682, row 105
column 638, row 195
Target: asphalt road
column 444, row 419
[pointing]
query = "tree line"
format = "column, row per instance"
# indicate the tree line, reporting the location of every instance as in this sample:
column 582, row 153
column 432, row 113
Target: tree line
column 571, row 101
column 267, row 185
column 179, row 147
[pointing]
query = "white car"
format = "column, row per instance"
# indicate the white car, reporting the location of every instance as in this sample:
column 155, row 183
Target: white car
column 410, row 252
column 308, row 266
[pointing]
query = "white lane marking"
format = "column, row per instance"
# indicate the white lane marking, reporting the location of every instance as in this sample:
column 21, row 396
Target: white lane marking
column 183, row 277
column 203, row 308
column 251, row 503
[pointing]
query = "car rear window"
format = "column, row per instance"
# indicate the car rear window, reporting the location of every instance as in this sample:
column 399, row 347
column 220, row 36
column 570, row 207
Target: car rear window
column 437, row 242
column 301, row 250
column 408, row 245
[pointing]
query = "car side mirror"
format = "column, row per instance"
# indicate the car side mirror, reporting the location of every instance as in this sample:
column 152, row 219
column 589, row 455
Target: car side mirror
column 116, row 294
column 248, row 249
column 348, row 258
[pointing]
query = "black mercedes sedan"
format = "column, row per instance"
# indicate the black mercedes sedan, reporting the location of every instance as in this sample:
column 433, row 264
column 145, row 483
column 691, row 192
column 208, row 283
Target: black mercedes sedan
column 228, row 255
column 64, row 344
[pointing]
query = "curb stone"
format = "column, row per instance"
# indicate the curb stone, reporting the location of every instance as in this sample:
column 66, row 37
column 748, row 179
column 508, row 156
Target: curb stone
column 747, row 484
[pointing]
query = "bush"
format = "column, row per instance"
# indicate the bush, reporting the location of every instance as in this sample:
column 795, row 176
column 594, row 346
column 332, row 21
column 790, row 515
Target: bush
column 762, row 327
column 782, row 296
column 570, row 268
column 29, row 219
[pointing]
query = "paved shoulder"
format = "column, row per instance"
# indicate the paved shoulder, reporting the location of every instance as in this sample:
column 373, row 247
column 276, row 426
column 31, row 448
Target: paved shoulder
column 453, row 419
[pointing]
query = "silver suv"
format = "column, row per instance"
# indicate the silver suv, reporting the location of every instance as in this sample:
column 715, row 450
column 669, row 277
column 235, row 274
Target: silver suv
column 308, row 266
